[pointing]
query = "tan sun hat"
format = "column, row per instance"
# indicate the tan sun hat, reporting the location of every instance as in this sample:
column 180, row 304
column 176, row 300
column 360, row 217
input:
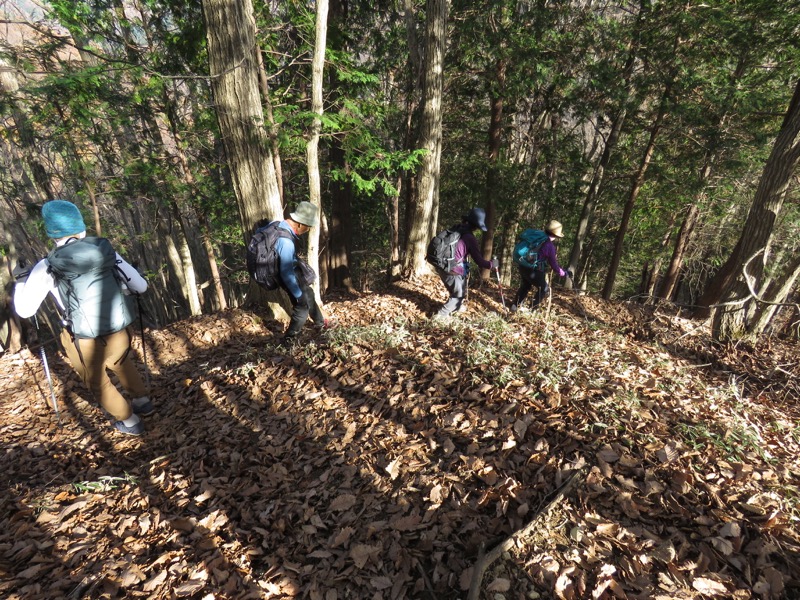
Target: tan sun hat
column 554, row 228
column 305, row 214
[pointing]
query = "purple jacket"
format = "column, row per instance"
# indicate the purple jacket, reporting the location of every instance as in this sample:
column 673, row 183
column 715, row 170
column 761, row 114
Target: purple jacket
column 468, row 245
column 548, row 252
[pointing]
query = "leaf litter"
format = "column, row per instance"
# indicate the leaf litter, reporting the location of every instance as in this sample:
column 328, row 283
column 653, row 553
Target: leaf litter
column 601, row 450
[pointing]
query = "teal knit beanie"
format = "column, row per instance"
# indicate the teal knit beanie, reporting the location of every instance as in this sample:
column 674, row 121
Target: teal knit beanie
column 62, row 219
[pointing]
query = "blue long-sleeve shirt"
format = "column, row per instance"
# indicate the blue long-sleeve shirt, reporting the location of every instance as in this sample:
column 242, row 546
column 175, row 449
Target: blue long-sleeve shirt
column 287, row 258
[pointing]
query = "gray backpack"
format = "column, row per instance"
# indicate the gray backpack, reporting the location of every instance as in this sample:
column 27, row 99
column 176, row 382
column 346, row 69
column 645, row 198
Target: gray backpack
column 89, row 282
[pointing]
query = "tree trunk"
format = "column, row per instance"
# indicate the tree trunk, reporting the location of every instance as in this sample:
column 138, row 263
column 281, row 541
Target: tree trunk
column 312, row 149
column 596, row 185
column 340, row 240
column 733, row 319
column 777, row 293
column 230, row 29
column 638, row 181
column 492, row 172
column 681, row 242
column 272, row 129
column 423, row 218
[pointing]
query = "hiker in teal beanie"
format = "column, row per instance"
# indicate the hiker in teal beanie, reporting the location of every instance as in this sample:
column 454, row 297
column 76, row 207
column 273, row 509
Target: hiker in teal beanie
column 62, row 219
column 90, row 282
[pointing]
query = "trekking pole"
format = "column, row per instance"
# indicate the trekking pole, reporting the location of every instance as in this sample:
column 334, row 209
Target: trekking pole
column 144, row 347
column 466, row 292
column 549, row 296
column 500, row 286
column 43, row 355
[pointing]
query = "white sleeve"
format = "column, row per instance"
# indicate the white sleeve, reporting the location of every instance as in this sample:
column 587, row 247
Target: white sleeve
column 135, row 282
column 29, row 295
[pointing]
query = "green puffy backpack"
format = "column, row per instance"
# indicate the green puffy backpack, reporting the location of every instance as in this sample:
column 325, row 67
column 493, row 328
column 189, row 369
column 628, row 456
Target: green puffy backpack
column 89, row 281
column 527, row 251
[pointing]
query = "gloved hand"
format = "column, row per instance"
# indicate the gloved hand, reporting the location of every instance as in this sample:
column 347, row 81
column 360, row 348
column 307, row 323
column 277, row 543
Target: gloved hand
column 300, row 302
column 21, row 272
column 495, row 263
column 570, row 275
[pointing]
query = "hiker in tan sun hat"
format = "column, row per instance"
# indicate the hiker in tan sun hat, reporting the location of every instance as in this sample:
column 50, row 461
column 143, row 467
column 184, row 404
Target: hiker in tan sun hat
column 536, row 251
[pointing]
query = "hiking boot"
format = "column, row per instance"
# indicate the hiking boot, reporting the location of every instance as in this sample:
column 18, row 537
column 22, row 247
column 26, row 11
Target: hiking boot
column 143, row 406
column 137, row 429
column 287, row 342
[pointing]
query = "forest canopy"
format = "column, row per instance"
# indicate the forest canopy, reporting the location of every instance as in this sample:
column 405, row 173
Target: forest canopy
column 663, row 136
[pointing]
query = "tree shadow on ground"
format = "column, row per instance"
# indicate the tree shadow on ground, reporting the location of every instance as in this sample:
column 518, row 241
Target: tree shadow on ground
column 330, row 468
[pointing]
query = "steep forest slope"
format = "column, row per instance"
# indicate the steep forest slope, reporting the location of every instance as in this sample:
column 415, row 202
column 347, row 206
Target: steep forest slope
column 592, row 450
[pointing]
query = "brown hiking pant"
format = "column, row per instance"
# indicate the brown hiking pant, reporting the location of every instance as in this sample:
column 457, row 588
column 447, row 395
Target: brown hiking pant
column 90, row 357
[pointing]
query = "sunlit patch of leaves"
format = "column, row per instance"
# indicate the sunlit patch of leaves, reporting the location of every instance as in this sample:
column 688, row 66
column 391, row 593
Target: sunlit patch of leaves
column 615, row 411
column 389, row 334
column 734, row 444
column 104, row 483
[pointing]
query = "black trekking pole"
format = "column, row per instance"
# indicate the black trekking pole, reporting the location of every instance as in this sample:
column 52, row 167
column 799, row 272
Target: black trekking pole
column 500, row 285
column 43, row 355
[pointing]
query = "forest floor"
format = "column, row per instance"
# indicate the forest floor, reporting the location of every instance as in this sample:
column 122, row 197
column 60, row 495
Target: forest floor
column 592, row 450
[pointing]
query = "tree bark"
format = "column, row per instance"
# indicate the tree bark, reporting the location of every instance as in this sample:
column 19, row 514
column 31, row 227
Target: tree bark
column 312, row 149
column 341, row 189
column 638, row 181
column 492, row 172
column 681, row 242
column 734, row 319
column 230, row 29
column 423, row 219
column 777, row 293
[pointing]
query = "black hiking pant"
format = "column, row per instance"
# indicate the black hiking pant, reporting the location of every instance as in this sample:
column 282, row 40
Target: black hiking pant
column 532, row 278
column 301, row 310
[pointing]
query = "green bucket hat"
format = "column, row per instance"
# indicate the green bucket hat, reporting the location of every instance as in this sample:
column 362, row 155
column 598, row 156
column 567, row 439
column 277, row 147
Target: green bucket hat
column 306, row 214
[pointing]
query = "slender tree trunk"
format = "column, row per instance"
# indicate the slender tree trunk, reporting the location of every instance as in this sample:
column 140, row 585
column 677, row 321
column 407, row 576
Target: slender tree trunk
column 423, row 218
column 596, row 185
column 493, row 168
column 678, row 252
column 312, row 149
column 272, row 129
column 650, row 272
column 341, row 190
column 733, row 320
column 777, row 293
column 638, row 181
column 407, row 183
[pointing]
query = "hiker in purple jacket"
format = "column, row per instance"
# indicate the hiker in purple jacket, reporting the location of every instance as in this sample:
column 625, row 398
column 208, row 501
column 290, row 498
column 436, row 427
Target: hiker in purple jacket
column 537, row 276
column 456, row 279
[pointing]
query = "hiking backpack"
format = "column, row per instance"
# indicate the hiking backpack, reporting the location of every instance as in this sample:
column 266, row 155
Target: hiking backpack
column 262, row 258
column 527, row 250
column 90, row 285
column 442, row 249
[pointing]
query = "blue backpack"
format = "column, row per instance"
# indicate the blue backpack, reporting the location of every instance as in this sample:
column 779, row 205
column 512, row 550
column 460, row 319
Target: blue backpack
column 89, row 283
column 527, row 250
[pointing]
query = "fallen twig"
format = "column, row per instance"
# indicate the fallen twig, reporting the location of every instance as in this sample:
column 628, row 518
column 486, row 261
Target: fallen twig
column 486, row 559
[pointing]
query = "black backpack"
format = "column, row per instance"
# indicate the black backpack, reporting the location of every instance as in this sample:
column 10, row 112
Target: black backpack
column 262, row 259
column 442, row 249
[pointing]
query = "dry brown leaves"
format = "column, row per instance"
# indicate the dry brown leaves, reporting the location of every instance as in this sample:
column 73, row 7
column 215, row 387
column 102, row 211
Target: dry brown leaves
column 375, row 466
